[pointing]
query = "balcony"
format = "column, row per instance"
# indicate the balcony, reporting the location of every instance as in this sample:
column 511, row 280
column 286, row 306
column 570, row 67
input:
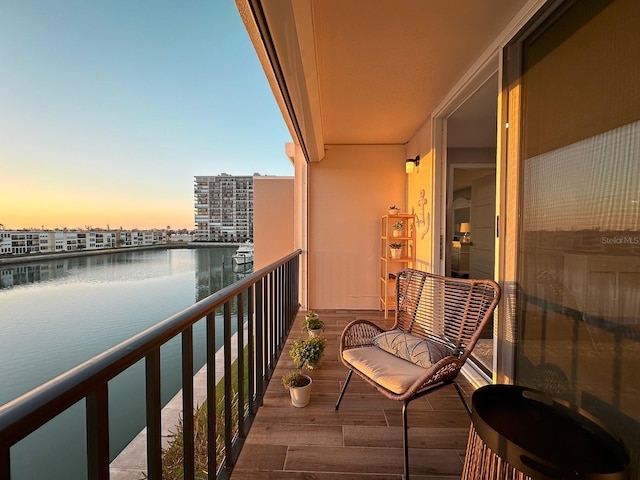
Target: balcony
column 363, row 439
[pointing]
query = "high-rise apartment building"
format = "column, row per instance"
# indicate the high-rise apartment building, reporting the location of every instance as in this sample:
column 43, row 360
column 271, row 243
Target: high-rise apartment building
column 224, row 208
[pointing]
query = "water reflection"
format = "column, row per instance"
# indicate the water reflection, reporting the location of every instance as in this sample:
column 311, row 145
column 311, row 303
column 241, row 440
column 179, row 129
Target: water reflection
column 58, row 313
column 103, row 268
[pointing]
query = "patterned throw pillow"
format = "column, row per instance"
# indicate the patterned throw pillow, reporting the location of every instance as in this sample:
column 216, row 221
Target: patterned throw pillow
column 411, row 348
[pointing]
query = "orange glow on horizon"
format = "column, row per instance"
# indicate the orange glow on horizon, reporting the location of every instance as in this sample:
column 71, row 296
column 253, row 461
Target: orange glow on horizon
column 72, row 212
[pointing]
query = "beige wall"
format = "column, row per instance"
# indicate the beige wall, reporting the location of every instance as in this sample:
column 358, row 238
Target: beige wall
column 349, row 190
column 422, row 200
column 421, row 203
column 273, row 224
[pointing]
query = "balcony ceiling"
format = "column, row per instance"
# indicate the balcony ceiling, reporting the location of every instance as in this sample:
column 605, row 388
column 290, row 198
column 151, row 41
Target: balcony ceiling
column 373, row 71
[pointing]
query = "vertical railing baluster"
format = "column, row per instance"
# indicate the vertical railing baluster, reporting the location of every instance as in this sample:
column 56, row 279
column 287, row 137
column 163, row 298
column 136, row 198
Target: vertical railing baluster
column 295, row 285
column 212, row 465
column 281, row 311
column 287, row 293
column 251, row 351
column 272, row 326
column 228, row 390
column 188, row 457
column 291, row 288
column 283, row 296
column 267, row 329
column 241, row 374
column 277, row 310
column 97, row 420
column 260, row 336
column 154, row 410
column 291, row 310
column 284, row 301
column 5, row 462
column 297, row 282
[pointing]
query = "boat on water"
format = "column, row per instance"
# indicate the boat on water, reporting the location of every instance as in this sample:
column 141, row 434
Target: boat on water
column 244, row 254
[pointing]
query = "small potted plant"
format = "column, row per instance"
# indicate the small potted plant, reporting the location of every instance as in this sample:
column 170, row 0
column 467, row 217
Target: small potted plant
column 299, row 386
column 307, row 352
column 312, row 324
column 396, row 250
column 393, row 210
column 398, row 228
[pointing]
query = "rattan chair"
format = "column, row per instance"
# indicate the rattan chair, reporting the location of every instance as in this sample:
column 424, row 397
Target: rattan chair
column 438, row 321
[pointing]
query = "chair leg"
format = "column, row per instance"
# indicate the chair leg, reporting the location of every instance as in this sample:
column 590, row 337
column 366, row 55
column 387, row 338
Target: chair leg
column 405, row 440
column 344, row 388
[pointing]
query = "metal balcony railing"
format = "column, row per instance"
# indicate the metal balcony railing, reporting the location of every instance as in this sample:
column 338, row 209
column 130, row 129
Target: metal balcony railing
column 266, row 300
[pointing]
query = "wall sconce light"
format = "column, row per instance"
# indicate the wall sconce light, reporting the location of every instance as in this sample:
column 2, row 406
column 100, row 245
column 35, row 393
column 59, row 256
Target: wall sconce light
column 411, row 165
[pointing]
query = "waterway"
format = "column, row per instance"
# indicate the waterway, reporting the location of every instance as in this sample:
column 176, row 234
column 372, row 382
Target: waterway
column 58, row 313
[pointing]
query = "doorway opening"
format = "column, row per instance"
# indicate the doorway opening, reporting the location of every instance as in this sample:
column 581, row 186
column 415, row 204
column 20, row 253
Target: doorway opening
column 471, row 143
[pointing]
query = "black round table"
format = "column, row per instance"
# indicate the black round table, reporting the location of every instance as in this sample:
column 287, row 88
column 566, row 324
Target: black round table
column 520, row 433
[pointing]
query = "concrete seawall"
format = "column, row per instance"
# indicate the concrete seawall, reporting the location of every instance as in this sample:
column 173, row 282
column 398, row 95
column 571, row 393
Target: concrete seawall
column 41, row 257
column 131, row 463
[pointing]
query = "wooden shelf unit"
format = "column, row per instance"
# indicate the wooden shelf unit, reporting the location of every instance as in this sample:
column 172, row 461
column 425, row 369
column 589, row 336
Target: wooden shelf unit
column 390, row 266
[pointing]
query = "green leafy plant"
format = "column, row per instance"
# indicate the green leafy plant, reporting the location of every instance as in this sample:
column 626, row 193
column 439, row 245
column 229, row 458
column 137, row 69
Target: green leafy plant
column 308, row 351
column 312, row 322
column 395, row 246
column 398, row 225
column 294, row 378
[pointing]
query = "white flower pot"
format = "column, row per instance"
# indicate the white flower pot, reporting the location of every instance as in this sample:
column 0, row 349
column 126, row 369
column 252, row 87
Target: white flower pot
column 300, row 396
column 397, row 233
column 396, row 253
column 314, row 333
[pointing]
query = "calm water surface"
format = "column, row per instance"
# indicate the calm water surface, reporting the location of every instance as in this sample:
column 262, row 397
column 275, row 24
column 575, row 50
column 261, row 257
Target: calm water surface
column 56, row 314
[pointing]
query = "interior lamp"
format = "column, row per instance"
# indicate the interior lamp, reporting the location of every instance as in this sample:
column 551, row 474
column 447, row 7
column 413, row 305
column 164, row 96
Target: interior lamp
column 466, row 229
column 411, row 165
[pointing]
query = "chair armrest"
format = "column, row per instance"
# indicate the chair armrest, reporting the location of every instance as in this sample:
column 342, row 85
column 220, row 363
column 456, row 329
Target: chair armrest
column 358, row 334
column 447, row 368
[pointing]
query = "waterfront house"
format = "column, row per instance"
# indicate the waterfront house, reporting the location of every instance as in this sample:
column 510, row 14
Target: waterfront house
column 21, row 242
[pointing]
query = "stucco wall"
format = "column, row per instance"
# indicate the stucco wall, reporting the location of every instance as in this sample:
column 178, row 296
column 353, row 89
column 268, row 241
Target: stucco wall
column 421, row 196
column 349, row 190
column 421, row 204
column 273, row 224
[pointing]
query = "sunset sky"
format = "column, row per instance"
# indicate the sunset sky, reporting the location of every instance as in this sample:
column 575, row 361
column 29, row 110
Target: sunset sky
column 109, row 108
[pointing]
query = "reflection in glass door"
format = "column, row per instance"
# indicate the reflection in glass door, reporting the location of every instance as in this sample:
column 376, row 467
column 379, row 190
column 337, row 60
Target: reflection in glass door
column 576, row 279
column 472, row 245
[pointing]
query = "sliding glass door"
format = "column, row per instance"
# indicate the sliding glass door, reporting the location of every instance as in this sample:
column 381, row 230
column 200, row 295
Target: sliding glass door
column 571, row 321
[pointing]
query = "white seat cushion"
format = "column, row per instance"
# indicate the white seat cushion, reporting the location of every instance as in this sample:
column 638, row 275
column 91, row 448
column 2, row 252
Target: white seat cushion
column 391, row 372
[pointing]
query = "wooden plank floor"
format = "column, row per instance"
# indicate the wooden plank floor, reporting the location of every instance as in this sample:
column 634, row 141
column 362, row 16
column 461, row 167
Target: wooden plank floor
column 363, row 439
